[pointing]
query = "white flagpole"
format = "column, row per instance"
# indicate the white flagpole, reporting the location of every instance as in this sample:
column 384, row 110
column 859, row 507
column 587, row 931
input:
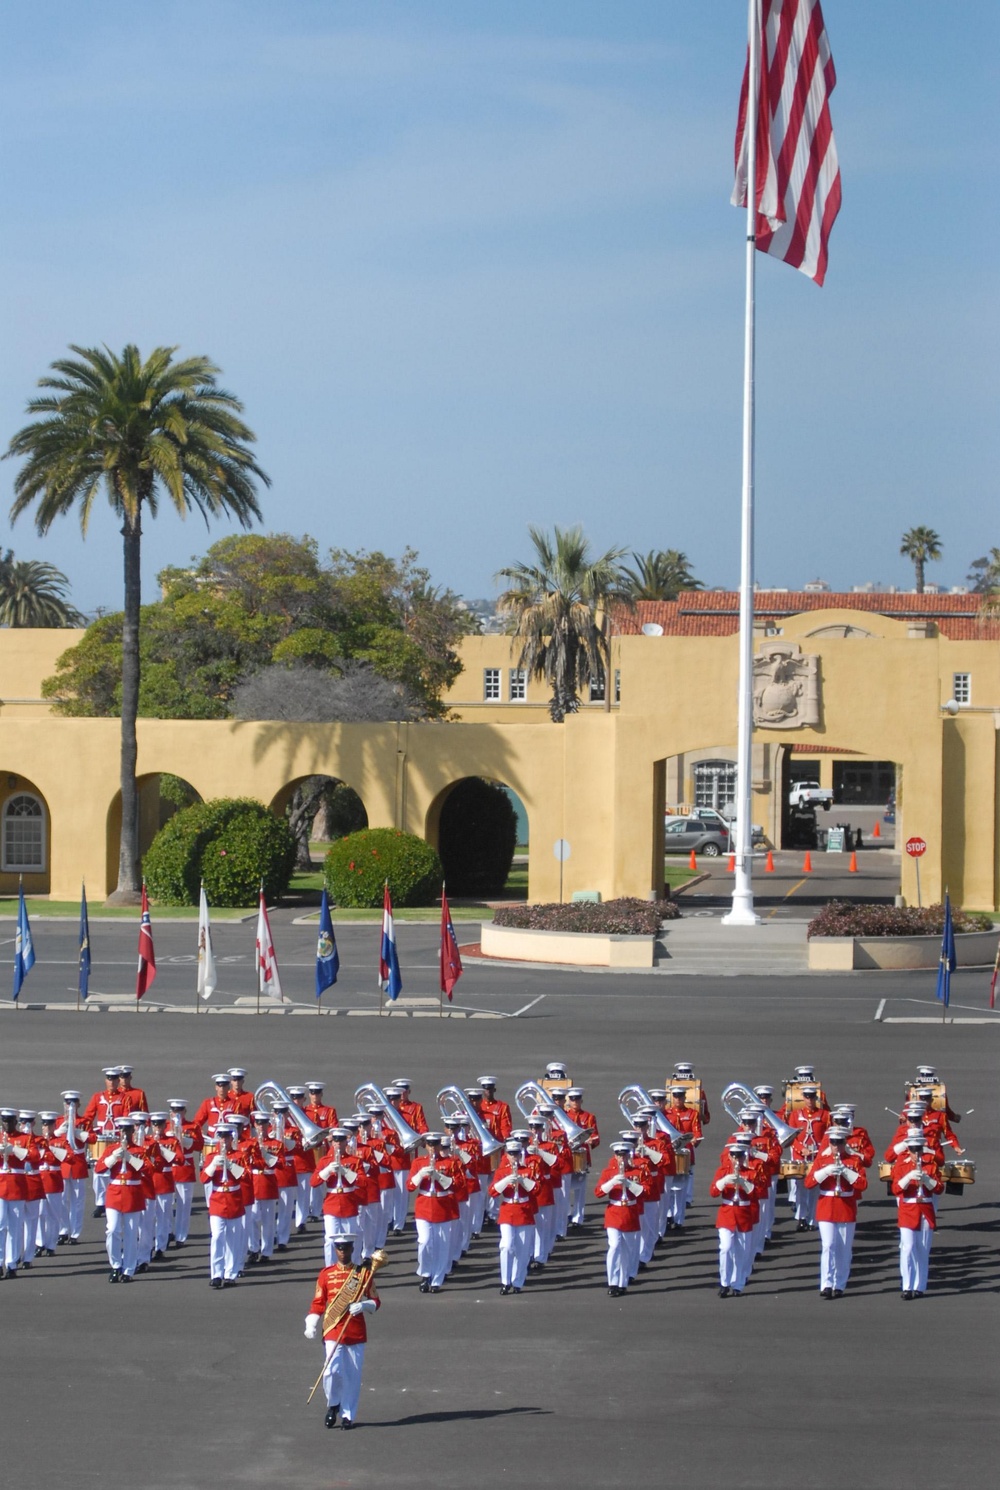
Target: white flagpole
column 742, row 912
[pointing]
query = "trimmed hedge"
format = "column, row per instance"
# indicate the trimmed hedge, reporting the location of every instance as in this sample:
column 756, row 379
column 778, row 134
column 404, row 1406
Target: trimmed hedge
column 477, row 838
column 625, row 917
column 232, row 843
column 840, row 918
column 357, row 867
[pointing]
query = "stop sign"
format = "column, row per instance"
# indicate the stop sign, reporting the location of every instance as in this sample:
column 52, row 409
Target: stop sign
column 915, row 847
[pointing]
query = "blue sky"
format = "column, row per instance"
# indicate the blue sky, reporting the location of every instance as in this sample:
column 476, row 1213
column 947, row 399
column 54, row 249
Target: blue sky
column 474, row 266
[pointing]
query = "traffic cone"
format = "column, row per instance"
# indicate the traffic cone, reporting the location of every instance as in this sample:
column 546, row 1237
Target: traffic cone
column 807, row 863
column 693, row 861
column 852, row 868
column 769, row 863
column 877, row 830
column 731, row 866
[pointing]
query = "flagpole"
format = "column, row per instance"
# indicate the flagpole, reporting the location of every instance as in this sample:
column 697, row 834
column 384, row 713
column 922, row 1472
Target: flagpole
column 742, row 911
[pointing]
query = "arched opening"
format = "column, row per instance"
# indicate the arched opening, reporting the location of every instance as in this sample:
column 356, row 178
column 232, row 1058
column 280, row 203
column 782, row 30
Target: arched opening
column 25, row 836
column 319, row 809
column 161, row 794
column 480, row 829
column 834, row 787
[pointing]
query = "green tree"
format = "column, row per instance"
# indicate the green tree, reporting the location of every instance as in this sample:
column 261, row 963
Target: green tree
column 984, row 574
column 922, row 545
column 660, row 575
column 34, row 594
column 139, row 429
column 560, row 607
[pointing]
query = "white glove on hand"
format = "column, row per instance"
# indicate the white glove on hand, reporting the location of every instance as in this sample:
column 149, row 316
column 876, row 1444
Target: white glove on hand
column 728, row 1183
column 824, row 1174
column 746, row 1186
column 356, row 1308
column 852, row 1175
column 312, row 1326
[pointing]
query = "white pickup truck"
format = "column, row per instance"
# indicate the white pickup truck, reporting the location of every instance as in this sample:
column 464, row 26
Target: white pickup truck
column 810, row 794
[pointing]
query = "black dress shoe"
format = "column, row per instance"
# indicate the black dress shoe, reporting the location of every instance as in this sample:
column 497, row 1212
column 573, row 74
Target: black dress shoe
column 229, row 1282
column 918, row 1293
column 724, row 1293
column 643, row 1266
column 517, row 1290
column 505, row 1288
column 425, row 1285
column 26, row 1266
column 435, row 1288
column 802, row 1226
column 838, row 1293
column 907, row 1294
column 826, row 1293
column 74, row 1241
column 215, row 1283
column 330, row 1420
column 62, row 1241
column 112, row 1276
column 346, row 1423
column 143, row 1267
column 97, row 1212
column 126, row 1278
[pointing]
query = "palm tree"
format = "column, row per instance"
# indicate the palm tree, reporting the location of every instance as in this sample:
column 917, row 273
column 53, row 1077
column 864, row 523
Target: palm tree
column 920, row 544
column 139, row 428
column 34, row 594
column 561, row 606
column 660, row 575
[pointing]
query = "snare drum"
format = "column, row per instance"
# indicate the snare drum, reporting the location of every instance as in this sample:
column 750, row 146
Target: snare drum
column 794, row 1169
column 98, row 1147
column 885, row 1170
column 580, row 1161
column 683, row 1163
column 959, row 1172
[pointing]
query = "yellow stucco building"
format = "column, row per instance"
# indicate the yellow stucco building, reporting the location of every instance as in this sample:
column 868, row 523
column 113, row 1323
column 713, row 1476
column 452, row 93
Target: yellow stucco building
column 870, row 693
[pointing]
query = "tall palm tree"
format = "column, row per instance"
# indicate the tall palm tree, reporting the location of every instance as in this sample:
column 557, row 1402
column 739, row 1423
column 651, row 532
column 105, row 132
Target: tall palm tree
column 660, row 575
column 920, row 545
column 34, row 594
column 139, row 429
column 560, row 605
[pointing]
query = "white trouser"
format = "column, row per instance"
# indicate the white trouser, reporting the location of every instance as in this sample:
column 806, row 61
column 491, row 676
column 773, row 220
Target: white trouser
column 342, row 1377
column 335, row 1226
column 689, row 1197
column 837, row 1242
column 386, row 1202
column 147, row 1222
column 30, row 1244
column 164, row 1210
column 545, row 1232
column 11, row 1232
column 317, row 1194
column 122, row 1239
column 577, row 1197
column 647, row 1231
column 51, row 1220
column 465, row 1227
column 562, row 1205
column 262, row 1221
column 623, row 1257
column 183, row 1196
column 677, row 1198
column 286, row 1213
column 733, row 1258
column 805, row 1202
column 515, row 1252
column 100, row 1187
column 477, row 1204
column 368, row 1219
column 767, row 1206
column 399, row 1178
column 74, row 1194
column 225, row 1246
column 303, row 1197
column 433, row 1248
column 914, row 1256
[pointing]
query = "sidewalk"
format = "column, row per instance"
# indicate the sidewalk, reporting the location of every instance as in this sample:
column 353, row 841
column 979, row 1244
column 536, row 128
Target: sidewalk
column 700, row 945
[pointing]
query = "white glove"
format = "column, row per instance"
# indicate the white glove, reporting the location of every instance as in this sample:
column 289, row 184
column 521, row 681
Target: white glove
column 505, row 1183
column 325, row 1174
column 212, row 1164
column 608, row 1186
column 852, row 1175
column 824, row 1174
column 368, row 1306
column 443, row 1180
column 312, row 1326
column 356, row 1308
column 728, row 1183
column 746, row 1186
column 900, row 1148
column 420, row 1175
column 908, row 1180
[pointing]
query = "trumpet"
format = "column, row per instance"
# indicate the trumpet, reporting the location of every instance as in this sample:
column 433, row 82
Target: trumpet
column 370, row 1095
column 528, row 1097
column 454, row 1103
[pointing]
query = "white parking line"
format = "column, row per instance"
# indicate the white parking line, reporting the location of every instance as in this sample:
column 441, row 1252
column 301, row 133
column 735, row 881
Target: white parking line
column 518, row 1012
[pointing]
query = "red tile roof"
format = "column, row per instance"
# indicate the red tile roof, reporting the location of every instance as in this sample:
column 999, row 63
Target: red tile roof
column 716, row 612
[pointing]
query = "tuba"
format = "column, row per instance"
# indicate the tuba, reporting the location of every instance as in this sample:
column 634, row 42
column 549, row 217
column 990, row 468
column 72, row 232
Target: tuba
column 737, row 1092
column 454, row 1103
column 631, row 1098
column 528, row 1097
column 270, row 1092
column 369, row 1095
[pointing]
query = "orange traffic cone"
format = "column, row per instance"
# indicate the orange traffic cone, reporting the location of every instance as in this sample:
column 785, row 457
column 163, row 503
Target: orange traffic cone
column 769, row 863
column 807, row 863
column 877, row 830
column 693, row 861
column 852, row 868
column 731, row 866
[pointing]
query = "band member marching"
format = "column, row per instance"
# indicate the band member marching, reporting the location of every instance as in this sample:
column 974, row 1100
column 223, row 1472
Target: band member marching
column 15, row 1152
column 344, row 1296
column 125, row 1201
column 513, row 1185
column 916, row 1180
column 226, row 1209
column 72, row 1135
column 839, row 1185
column 435, row 1209
column 736, row 1185
column 622, row 1192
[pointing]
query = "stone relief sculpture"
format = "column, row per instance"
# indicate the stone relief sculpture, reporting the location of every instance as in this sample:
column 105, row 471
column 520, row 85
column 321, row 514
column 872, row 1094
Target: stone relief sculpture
column 785, row 687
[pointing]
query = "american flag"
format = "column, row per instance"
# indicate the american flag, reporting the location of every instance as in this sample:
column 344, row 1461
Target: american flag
column 798, row 177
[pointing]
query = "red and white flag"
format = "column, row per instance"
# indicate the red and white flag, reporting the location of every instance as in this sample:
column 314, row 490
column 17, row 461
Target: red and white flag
column 451, row 958
column 146, row 973
column 798, row 177
column 267, row 962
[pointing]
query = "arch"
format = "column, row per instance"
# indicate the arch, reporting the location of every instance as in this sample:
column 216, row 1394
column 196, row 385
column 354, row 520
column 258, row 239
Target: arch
column 451, row 815
column 328, row 807
column 161, row 794
column 25, row 836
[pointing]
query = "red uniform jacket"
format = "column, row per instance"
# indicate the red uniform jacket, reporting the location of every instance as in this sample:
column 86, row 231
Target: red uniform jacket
column 496, row 1116
column 515, row 1189
column 897, row 1143
column 414, row 1114
column 133, row 1100
column 227, row 1190
column 162, row 1155
column 838, row 1194
column 345, row 1186
column 860, row 1145
column 126, row 1179
column 685, row 1120
column 190, row 1145
column 622, row 1195
column 585, row 1120
column 741, row 1201
column 18, row 1151
column 262, row 1156
column 74, row 1166
column 51, row 1156
column 329, row 1283
column 435, row 1192
column 100, row 1112
column 913, row 1200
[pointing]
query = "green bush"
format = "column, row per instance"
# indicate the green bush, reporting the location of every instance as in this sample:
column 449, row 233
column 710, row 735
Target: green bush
column 477, row 838
column 358, row 866
column 231, row 843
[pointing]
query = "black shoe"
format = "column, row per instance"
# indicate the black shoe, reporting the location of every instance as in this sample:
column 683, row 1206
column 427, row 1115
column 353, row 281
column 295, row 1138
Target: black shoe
column 505, row 1288
column 724, row 1293
column 736, row 1293
column 435, row 1288
column 126, row 1278
column 643, row 1266
column 802, row 1226
column 907, row 1294
column 143, row 1267
column 179, row 1245
column 918, row 1293
column 215, row 1283
column 63, row 1239
column 826, row 1293
column 301, row 1231
column 26, row 1266
column 229, row 1282
column 281, row 1247
column 838, row 1293
column 346, row 1423
column 517, row 1290
column 330, row 1421
column 159, row 1254
column 425, row 1285
column 74, row 1241
column 97, row 1212
column 113, row 1276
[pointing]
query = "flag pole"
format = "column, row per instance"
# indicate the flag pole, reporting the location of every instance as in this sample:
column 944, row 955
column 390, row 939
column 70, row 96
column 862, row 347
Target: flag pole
column 440, row 956
column 742, row 911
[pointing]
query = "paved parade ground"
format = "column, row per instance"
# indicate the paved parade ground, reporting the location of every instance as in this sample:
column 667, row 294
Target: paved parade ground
column 171, row 1386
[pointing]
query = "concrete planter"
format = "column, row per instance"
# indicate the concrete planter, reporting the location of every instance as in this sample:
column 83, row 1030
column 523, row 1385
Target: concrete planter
column 580, row 948
column 846, row 953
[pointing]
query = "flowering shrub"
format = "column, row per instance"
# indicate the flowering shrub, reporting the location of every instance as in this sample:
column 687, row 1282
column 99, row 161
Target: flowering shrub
column 231, row 843
column 358, row 866
column 625, row 917
column 842, row 919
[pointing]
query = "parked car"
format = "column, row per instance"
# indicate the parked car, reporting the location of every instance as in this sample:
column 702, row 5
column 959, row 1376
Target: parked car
column 810, row 794
column 682, row 834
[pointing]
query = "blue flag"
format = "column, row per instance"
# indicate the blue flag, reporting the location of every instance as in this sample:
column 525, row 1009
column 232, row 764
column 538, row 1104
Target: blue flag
column 83, row 981
column 327, row 956
column 24, row 947
column 390, row 979
column 946, row 963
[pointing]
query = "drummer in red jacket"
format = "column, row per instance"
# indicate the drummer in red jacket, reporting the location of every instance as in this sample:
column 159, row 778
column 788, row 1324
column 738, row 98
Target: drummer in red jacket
column 916, row 1179
column 840, row 1179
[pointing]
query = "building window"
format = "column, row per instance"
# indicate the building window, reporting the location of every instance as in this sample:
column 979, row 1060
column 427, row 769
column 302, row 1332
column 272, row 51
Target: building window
column 597, row 688
column 518, row 685
column 491, row 685
column 24, row 834
column 961, row 688
column 715, row 785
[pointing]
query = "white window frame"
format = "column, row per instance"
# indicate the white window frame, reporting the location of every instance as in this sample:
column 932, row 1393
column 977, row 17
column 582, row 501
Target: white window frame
column 517, row 685
column 596, row 695
column 8, row 865
column 492, row 678
column 961, row 689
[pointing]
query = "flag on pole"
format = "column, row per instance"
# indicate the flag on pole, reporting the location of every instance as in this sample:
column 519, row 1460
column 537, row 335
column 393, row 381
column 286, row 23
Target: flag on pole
column 451, row 960
column 389, row 978
column 268, row 980
column 83, row 973
column 146, row 971
column 207, row 978
column 947, row 960
column 993, row 980
column 798, row 176
column 24, row 947
column 327, row 956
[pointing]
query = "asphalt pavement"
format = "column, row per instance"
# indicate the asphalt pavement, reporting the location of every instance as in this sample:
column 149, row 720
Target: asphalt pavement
column 176, row 1387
